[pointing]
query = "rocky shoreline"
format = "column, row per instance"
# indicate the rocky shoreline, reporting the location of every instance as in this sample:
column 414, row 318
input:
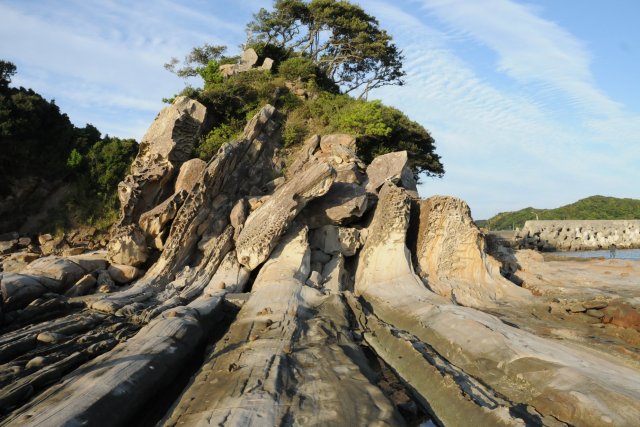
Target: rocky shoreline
column 244, row 289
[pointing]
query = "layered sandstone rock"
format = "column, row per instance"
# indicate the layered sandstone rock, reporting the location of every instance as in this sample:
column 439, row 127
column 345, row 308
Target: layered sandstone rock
column 471, row 367
column 248, row 269
column 450, row 255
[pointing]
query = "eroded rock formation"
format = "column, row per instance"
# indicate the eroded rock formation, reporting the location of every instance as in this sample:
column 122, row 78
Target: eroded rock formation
column 249, row 295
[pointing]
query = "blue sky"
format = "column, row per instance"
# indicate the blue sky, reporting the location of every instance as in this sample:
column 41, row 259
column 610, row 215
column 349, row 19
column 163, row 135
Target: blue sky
column 531, row 104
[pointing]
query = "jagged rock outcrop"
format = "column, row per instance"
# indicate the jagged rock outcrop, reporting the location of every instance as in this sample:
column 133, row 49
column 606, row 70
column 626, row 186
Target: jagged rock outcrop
column 164, row 148
column 450, row 255
column 277, row 281
column 469, row 366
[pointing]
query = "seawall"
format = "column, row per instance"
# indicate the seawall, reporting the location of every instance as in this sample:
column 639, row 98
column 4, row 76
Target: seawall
column 579, row 235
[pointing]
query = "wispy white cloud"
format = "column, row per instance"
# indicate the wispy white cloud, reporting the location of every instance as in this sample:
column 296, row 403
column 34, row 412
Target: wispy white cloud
column 543, row 141
column 518, row 122
column 530, row 49
column 103, row 55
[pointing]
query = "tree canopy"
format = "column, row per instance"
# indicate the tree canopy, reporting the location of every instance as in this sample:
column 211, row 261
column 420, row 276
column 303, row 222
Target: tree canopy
column 7, row 70
column 345, row 42
column 39, row 143
column 320, row 48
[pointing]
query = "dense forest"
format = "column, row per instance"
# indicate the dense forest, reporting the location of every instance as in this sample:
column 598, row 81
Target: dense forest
column 594, row 207
column 43, row 153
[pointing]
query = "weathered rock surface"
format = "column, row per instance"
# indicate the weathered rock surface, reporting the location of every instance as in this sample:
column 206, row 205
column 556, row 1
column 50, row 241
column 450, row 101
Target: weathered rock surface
column 154, row 222
column 266, row 224
column 251, row 268
column 165, row 147
column 393, row 167
column 121, row 381
column 474, row 369
column 189, row 175
column 128, row 246
column 279, row 336
column 450, row 255
column 336, row 240
column 343, row 203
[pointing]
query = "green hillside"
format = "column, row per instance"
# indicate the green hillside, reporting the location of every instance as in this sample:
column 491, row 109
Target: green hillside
column 594, row 207
column 42, row 153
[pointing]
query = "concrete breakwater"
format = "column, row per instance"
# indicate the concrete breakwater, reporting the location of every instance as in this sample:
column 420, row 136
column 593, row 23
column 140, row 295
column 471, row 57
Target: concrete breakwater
column 579, row 235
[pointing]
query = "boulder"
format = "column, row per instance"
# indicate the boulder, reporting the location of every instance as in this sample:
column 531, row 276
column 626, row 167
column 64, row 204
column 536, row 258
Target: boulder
column 7, row 246
column 189, row 175
column 18, row 290
column 228, row 70
column 123, row 274
column 267, row 64
column 348, row 173
column 331, row 239
column 343, row 203
column 24, row 242
column 239, row 214
column 91, row 261
column 155, row 221
column 83, row 286
column 44, row 238
column 269, row 222
column 128, row 246
column 62, row 271
column 248, row 59
column 328, row 141
column 393, row 167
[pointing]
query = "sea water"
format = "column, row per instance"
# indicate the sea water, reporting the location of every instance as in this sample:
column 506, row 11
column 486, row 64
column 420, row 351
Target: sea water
column 604, row 253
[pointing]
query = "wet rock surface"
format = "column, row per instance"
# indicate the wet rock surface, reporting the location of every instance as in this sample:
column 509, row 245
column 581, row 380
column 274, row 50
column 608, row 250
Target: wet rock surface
column 233, row 293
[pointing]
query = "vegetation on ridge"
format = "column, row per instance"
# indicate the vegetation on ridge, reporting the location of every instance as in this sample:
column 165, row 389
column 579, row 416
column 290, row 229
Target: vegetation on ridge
column 594, row 207
column 322, row 51
column 40, row 147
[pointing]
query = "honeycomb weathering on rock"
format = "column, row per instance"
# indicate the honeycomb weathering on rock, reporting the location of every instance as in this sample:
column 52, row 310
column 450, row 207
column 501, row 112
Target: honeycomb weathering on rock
column 450, row 255
column 242, row 318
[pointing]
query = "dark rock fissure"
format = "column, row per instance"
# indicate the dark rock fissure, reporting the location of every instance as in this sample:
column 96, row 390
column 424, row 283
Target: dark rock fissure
column 163, row 402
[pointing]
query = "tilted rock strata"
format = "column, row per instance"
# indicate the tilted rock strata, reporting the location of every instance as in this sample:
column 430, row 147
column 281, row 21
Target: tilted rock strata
column 291, row 355
column 265, row 370
column 165, row 147
column 498, row 367
column 266, row 224
column 451, row 257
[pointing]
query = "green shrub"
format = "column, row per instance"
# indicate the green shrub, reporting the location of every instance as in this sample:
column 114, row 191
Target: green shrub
column 298, row 68
column 295, row 129
column 215, row 139
column 362, row 118
column 75, row 159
